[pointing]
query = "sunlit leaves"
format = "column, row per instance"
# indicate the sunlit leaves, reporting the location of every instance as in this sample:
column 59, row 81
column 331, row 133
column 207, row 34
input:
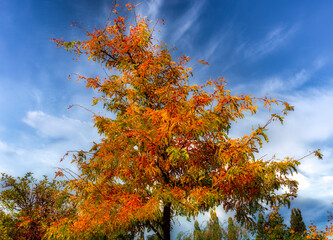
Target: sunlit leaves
column 318, row 154
column 203, row 62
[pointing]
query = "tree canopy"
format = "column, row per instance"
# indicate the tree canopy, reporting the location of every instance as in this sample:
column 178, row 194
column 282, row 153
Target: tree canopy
column 28, row 206
column 167, row 152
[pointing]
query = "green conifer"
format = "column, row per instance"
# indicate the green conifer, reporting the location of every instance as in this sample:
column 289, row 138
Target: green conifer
column 232, row 233
column 297, row 225
column 260, row 227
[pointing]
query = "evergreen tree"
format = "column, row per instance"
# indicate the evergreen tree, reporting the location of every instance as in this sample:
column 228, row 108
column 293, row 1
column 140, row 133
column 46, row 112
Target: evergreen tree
column 260, row 227
column 215, row 231
column 297, row 225
column 232, row 233
column 197, row 233
column 214, row 227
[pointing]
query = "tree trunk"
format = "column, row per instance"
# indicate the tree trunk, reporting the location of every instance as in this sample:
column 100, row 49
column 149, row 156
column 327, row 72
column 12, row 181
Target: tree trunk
column 167, row 221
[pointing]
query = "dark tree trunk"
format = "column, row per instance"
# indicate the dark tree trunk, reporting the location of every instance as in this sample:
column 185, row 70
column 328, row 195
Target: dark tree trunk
column 167, row 221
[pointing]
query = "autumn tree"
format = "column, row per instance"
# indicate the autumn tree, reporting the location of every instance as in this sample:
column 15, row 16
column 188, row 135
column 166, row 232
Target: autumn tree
column 28, row 206
column 167, row 151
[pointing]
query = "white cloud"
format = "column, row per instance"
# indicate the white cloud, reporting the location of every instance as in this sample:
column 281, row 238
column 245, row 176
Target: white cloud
column 5, row 148
column 313, row 114
column 40, row 153
column 58, row 127
column 304, row 182
column 308, row 128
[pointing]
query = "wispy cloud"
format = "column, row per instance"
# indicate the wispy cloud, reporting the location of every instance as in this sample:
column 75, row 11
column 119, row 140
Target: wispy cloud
column 276, row 83
column 291, row 82
column 218, row 43
column 153, row 8
column 275, row 38
column 252, row 50
column 188, row 19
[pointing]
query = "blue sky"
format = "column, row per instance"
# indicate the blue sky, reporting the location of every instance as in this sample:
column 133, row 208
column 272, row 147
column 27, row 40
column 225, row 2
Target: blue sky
column 280, row 48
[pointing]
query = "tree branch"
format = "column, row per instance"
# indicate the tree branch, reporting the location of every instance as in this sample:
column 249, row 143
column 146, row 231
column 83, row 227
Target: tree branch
column 155, row 230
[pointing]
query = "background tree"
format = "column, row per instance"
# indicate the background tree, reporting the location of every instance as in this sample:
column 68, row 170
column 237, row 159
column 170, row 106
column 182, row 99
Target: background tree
column 215, row 231
column 275, row 227
column 28, row 206
column 297, row 225
column 167, row 151
column 260, row 227
column 197, row 233
column 232, row 232
column 8, row 226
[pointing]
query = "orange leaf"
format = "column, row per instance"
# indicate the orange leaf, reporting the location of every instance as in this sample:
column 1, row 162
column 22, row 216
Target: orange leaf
column 203, row 62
